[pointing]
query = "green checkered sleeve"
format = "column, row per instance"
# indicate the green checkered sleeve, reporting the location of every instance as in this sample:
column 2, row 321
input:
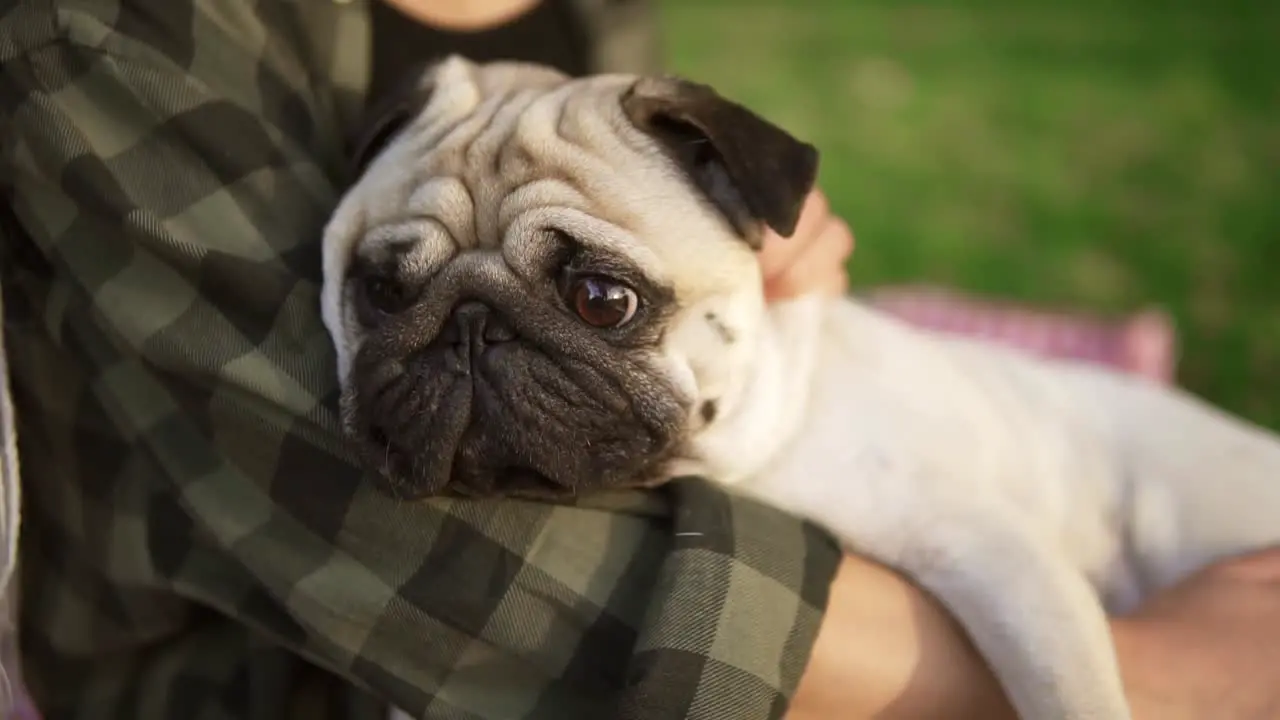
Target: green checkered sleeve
column 196, row 542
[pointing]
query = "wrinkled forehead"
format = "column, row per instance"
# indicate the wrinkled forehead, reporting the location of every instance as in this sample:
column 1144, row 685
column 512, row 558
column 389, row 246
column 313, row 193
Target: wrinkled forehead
column 506, row 143
column 516, row 121
column 519, row 124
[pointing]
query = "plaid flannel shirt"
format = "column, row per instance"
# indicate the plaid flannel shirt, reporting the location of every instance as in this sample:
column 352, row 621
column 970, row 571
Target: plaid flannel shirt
column 196, row 542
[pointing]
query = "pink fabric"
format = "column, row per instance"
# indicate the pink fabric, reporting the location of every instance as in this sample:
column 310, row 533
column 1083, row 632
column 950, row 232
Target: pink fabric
column 1143, row 343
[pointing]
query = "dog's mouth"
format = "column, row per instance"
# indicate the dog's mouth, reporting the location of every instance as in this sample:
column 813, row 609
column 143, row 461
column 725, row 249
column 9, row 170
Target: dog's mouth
column 527, row 482
column 391, row 461
column 395, row 464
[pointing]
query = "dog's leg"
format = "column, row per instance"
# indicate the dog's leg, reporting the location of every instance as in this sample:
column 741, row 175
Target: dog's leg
column 1031, row 615
column 1203, row 484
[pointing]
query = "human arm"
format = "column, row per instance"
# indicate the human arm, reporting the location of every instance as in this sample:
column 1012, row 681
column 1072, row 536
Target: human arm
column 1209, row 647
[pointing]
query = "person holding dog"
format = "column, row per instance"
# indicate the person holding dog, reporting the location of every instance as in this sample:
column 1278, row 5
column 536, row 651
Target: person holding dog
column 196, row 541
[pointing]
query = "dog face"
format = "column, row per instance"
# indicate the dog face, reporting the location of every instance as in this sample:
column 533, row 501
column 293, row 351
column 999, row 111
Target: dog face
column 542, row 285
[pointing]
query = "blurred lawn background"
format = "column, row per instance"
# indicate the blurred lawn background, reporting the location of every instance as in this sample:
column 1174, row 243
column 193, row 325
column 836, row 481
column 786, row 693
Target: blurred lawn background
column 1091, row 155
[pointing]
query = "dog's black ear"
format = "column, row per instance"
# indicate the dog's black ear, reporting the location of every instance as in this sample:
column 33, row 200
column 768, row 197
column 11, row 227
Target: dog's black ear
column 389, row 113
column 752, row 170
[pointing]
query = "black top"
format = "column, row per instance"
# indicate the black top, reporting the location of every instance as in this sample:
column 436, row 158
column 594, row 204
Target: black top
column 550, row 34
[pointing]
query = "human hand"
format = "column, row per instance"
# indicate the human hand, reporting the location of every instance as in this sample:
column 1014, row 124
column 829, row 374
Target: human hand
column 813, row 259
column 1209, row 647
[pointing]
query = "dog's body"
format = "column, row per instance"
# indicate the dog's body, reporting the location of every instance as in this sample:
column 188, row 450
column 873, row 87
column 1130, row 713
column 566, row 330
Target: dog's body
column 1019, row 491
column 520, row 213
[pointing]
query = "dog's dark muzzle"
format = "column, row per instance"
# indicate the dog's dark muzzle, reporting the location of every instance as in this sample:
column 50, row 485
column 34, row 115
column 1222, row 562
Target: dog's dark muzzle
column 460, row 396
column 472, row 329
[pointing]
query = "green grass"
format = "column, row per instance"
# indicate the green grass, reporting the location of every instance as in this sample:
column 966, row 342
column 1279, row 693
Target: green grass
column 1093, row 155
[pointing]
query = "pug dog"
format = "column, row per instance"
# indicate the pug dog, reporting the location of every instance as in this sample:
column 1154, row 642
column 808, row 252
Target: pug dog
column 546, row 286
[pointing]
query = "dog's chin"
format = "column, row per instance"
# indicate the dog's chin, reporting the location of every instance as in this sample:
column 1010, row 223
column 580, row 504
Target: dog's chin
column 509, row 420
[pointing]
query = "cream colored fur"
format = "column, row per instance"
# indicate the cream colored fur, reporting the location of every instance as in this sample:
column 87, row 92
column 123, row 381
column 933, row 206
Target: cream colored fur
column 1027, row 495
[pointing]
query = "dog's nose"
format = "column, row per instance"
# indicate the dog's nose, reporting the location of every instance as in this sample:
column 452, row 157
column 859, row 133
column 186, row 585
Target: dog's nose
column 475, row 323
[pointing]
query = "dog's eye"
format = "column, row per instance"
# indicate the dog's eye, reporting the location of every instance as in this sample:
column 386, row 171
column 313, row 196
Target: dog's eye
column 602, row 302
column 378, row 297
